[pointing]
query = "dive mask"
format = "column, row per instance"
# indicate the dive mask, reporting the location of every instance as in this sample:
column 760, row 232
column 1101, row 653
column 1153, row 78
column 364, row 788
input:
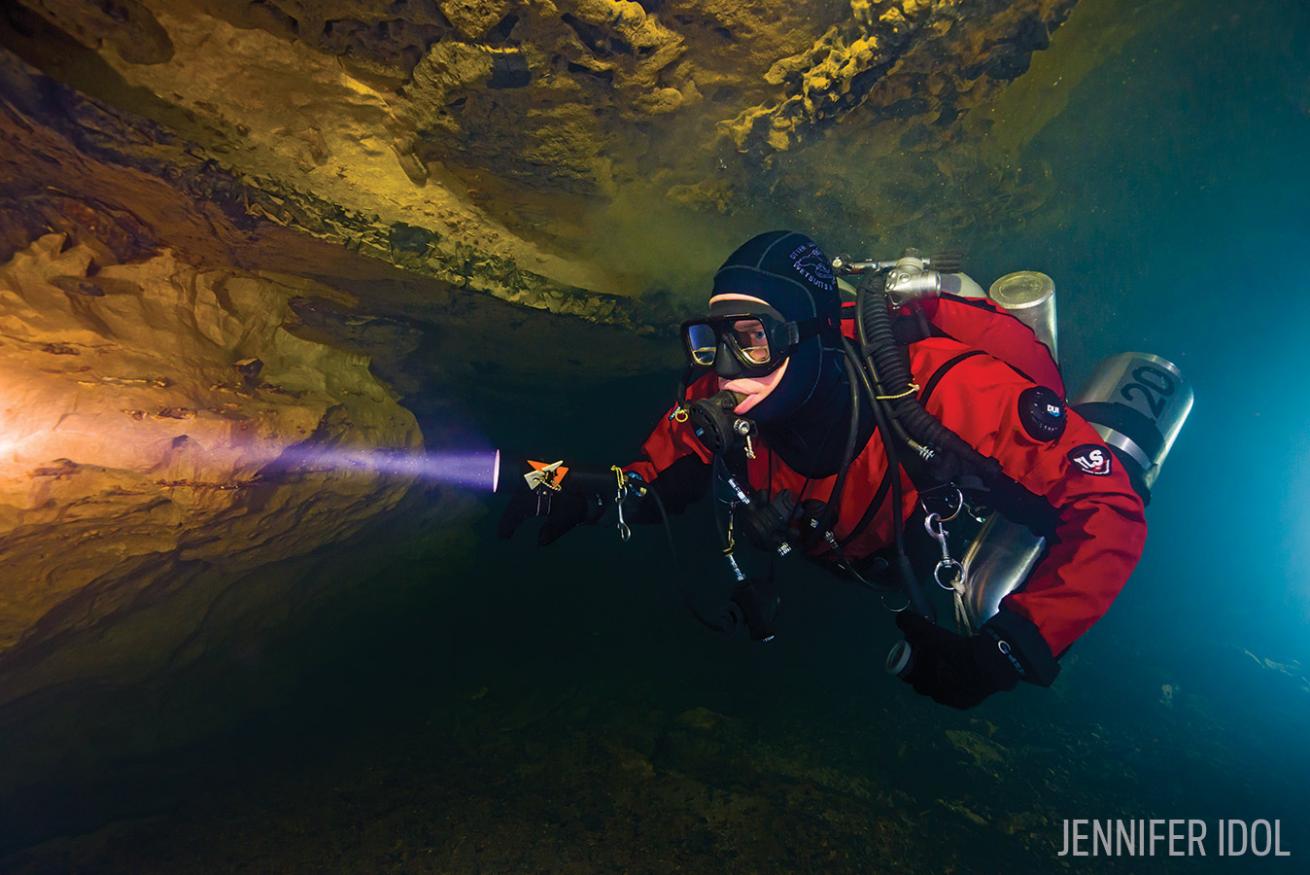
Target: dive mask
column 745, row 344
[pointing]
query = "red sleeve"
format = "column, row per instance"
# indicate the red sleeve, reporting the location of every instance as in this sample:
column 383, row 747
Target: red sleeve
column 672, row 440
column 1100, row 528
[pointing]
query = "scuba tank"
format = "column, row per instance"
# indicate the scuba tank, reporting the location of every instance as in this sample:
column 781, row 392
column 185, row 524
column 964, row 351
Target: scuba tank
column 1029, row 296
column 1138, row 403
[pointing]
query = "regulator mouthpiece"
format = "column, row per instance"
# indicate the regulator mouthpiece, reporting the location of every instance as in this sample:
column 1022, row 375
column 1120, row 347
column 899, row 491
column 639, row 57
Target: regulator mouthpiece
column 714, row 423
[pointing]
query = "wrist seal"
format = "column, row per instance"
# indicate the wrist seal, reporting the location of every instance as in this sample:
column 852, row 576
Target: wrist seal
column 1018, row 641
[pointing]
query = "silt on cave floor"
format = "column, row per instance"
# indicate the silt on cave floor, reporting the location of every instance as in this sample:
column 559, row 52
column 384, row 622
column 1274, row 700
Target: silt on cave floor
column 414, row 741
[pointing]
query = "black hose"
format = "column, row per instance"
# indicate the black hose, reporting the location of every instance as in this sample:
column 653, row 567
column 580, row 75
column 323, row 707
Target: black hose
column 918, row 598
column 902, row 571
column 891, row 366
column 678, row 589
column 831, row 513
column 879, row 418
column 885, row 425
column 888, row 442
column 873, row 289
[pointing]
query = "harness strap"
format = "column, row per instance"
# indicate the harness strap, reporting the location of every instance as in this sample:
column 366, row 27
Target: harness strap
column 941, row 371
column 1007, row 495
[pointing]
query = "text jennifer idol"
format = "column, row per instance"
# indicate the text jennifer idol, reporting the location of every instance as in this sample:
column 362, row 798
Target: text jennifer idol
column 1122, row 837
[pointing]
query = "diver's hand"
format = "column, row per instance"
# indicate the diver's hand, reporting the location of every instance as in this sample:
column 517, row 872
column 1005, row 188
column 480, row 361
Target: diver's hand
column 952, row 669
column 562, row 510
column 581, row 500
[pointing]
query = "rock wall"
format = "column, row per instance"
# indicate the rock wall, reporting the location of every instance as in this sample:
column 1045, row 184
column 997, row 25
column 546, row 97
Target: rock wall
column 156, row 416
column 161, row 347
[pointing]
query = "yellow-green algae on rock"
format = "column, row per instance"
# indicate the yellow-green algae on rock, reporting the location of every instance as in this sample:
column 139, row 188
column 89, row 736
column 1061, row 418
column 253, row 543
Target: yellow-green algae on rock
column 494, row 144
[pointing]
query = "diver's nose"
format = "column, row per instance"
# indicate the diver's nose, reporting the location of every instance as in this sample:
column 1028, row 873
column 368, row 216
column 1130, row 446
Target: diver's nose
column 726, row 364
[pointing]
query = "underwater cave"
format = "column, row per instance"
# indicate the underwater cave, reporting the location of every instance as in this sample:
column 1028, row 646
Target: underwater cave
column 291, row 293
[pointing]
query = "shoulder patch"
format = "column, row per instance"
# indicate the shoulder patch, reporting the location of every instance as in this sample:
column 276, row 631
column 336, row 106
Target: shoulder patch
column 1042, row 413
column 1091, row 459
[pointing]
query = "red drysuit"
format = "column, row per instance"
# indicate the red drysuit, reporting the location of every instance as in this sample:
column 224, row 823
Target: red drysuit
column 1100, row 528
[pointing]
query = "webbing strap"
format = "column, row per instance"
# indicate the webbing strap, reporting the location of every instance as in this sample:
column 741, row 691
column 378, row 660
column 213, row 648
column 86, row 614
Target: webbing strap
column 941, row 372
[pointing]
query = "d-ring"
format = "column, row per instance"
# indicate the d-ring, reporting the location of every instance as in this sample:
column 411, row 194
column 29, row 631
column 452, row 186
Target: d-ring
column 899, row 610
column 959, row 505
column 957, row 573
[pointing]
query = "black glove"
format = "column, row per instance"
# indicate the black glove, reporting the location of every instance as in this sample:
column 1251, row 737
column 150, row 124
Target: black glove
column 583, row 498
column 953, row 669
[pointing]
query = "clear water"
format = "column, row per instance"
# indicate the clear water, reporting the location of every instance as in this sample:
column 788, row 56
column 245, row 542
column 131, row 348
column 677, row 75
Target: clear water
column 489, row 707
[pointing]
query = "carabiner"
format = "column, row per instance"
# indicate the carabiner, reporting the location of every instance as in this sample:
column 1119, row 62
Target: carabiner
column 625, row 531
column 933, row 523
column 956, row 506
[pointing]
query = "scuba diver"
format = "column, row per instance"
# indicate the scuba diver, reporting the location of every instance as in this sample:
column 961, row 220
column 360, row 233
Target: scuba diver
column 850, row 433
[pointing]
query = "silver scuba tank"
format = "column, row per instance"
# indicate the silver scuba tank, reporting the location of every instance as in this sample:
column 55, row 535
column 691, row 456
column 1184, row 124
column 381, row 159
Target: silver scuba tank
column 1138, row 403
column 962, row 284
column 1029, row 296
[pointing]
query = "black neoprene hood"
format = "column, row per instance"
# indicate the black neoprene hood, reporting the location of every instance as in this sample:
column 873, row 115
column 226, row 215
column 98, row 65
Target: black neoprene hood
column 790, row 272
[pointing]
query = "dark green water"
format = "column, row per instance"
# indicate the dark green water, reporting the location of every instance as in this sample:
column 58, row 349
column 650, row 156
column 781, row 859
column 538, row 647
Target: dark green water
column 495, row 708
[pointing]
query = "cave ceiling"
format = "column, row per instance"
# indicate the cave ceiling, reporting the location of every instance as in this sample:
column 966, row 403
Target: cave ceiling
column 586, row 157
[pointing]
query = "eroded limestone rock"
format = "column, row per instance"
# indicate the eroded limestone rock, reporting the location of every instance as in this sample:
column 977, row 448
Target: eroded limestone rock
column 560, row 150
column 156, row 416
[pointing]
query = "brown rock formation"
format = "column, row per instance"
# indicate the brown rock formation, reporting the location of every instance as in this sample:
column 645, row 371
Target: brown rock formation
column 160, row 350
column 545, row 152
column 154, row 415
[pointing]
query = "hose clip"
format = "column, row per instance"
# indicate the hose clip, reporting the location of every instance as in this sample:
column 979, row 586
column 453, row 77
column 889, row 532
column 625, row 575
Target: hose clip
column 622, row 489
column 949, row 572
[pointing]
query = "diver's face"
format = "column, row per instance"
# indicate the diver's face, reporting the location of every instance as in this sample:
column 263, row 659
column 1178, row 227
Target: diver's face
column 756, row 389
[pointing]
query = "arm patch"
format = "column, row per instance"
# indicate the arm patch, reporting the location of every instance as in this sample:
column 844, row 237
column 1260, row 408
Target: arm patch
column 1091, row 459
